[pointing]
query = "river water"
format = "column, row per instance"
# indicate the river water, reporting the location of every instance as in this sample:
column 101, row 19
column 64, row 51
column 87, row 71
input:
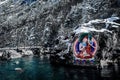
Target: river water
column 35, row 68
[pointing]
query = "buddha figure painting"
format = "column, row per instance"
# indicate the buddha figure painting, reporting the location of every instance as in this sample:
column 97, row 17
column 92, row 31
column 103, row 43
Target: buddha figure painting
column 85, row 46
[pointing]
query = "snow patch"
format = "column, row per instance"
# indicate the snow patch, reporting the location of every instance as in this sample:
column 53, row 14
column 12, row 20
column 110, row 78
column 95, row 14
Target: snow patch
column 1, row 53
column 27, row 52
column 115, row 26
column 3, row 2
column 87, row 27
column 14, row 54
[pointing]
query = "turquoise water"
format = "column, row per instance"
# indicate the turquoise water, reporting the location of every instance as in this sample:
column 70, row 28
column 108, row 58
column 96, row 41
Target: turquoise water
column 34, row 68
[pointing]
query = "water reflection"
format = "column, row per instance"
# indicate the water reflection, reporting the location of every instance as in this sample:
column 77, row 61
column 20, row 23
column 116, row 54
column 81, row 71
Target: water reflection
column 92, row 74
column 82, row 74
column 32, row 68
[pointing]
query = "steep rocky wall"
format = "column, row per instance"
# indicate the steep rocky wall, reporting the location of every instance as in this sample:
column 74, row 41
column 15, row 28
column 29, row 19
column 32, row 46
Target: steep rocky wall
column 42, row 21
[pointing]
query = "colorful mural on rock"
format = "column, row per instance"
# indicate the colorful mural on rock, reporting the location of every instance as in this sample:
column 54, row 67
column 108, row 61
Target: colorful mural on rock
column 85, row 47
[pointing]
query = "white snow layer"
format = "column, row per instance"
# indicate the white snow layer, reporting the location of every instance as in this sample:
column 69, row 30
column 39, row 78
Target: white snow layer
column 14, row 54
column 88, row 29
column 27, row 52
column 3, row 2
column 84, row 27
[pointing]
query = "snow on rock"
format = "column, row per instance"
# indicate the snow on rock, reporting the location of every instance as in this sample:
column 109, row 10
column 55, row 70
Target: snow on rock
column 14, row 54
column 27, row 52
column 1, row 54
column 115, row 26
column 87, row 27
column 111, row 19
column 3, row 2
column 103, row 63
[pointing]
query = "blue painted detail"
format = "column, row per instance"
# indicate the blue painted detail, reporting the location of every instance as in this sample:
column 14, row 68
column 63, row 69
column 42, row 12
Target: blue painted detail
column 83, row 61
column 93, row 49
column 91, row 60
column 84, row 44
column 77, row 47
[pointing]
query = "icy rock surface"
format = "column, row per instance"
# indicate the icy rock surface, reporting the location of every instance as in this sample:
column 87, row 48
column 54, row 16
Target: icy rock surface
column 10, row 54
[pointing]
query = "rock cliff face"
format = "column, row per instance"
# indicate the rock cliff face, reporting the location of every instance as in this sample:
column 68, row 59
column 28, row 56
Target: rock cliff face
column 41, row 22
